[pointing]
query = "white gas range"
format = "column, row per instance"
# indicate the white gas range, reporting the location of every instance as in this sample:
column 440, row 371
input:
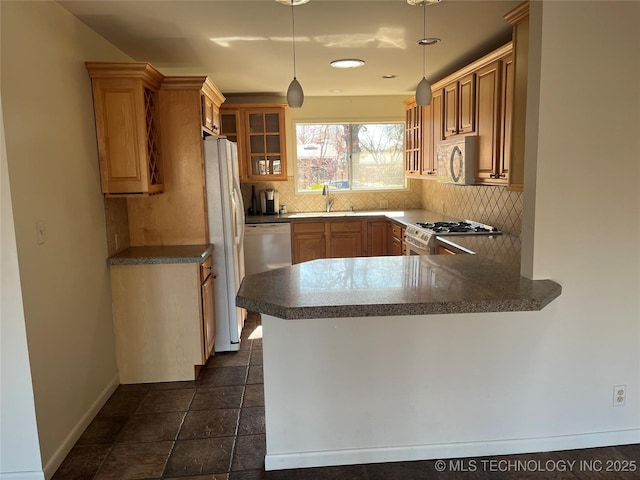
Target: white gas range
column 421, row 238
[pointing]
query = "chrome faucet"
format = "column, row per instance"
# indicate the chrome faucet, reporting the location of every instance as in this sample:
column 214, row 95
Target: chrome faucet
column 329, row 198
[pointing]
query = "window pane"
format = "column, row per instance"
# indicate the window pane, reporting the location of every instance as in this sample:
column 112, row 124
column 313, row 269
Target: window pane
column 377, row 156
column 350, row 156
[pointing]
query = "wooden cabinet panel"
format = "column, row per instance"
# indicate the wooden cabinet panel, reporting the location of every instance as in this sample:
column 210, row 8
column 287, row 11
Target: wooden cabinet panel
column 396, row 239
column 260, row 132
column 413, row 131
column 152, row 220
column 208, row 318
column 158, row 323
column 459, row 106
column 488, row 94
column 346, row 239
column 306, row 247
column 451, row 110
column 428, row 168
column 125, row 107
column 467, row 104
column 437, row 126
column 308, row 241
column 377, row 238
column 345, row 245
column 506, row 117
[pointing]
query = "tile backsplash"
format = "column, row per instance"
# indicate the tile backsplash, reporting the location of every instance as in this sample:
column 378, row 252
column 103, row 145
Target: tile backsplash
column 315, row 202
column 492, row 205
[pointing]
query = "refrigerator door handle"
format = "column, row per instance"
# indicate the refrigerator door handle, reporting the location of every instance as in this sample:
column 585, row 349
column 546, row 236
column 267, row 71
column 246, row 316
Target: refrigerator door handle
column 239, row 213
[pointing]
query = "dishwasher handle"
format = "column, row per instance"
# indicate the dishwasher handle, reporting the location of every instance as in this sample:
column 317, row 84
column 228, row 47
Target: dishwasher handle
column 283, row 228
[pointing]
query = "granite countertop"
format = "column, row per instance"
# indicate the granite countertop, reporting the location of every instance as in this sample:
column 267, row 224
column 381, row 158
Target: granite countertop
column 158, row 255
column 406, row 217
column 503, row 248
column 388, row 286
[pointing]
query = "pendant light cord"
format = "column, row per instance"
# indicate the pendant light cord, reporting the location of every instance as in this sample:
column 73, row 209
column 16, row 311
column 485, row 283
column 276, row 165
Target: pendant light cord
column 293, row 36
column 424, row 36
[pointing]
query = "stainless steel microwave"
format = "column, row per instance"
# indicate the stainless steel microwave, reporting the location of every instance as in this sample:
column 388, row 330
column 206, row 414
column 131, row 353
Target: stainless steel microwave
column 457, row 160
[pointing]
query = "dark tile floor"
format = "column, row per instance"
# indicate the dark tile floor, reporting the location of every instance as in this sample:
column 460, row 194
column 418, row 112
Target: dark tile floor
column 213, row 429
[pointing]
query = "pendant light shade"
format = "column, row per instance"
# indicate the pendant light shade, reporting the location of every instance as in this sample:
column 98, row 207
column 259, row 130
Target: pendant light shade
column 423, row 92
column 295, row 95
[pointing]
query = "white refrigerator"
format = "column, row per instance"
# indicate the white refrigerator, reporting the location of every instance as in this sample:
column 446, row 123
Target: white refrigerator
column 225, row 212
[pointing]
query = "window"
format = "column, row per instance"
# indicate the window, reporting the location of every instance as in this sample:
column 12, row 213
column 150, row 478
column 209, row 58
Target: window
column 350, row 156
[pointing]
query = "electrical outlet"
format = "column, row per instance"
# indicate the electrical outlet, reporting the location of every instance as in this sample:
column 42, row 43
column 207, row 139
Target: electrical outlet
column 619, row 395
column 384, row 203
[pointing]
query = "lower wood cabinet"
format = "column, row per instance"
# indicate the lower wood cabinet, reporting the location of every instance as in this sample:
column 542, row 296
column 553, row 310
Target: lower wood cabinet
column 396, row 239
column 346, row 239
column 328, row 239
column 163, row 320
column 378, row 238
column 308, row 241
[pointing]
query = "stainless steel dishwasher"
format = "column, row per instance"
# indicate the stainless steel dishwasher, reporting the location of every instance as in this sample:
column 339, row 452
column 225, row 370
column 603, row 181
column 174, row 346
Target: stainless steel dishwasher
column 267, row 246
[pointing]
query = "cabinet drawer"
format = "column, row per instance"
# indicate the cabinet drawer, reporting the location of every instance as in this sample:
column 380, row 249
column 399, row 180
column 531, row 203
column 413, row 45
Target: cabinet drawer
column 348, row 226
column 307, row 227
column 396, row 231
column 205, row 268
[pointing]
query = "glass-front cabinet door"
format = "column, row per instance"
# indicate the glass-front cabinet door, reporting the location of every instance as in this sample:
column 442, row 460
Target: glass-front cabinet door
column 259, row 130
column 266, row 145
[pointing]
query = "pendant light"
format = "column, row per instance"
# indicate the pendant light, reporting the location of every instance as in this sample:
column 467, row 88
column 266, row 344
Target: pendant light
column 423, row 92
column 295, row 95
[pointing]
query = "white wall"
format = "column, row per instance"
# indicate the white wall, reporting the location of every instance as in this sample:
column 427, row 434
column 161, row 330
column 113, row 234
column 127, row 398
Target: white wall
column 19, row 451
column 54, row 177
column 513, row 381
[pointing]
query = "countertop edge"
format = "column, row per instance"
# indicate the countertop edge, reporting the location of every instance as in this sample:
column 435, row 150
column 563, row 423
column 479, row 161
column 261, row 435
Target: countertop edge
column 543, row 293
column 160, row 255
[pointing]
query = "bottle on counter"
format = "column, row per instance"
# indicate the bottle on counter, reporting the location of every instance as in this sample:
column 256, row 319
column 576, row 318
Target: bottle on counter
column 254, row 210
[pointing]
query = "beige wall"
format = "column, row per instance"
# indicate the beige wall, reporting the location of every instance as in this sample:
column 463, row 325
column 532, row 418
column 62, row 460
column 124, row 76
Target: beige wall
column 54, row 176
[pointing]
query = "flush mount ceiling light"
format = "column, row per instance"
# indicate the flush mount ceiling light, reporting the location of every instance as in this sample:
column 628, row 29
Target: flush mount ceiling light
column 295, row 3
column 347, row 63
column 295, row 95
column 413, row 3
column 425, row 42
column 390, row 75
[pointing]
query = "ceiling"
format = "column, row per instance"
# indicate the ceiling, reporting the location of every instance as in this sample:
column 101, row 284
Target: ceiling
column 245, row 46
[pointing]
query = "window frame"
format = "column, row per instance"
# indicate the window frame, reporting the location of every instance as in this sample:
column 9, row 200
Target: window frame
column 323, row 121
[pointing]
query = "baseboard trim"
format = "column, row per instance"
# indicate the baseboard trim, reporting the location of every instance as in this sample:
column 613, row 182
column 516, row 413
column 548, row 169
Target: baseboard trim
column 31, row 475
column 53, row 463
column 449, row 450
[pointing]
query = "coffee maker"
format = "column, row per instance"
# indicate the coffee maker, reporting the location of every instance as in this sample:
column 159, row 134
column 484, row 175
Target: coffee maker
column 270, row 201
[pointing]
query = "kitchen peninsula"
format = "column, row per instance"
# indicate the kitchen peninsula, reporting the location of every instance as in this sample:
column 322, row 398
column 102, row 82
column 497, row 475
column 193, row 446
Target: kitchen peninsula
column 376, row 359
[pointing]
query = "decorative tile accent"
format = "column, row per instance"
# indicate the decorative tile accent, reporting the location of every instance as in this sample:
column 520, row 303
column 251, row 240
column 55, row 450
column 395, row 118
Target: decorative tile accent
column 493, row 205
column 315, row 202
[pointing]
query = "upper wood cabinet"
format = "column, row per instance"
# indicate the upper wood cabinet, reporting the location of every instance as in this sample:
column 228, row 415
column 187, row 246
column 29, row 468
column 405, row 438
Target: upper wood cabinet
column 489, row 165
column 153, row 220
column 413, row 130
column 125, row 104
column 459, row 106
column 436, row 132
column 478, row 99
column 211, row 99
column 418, row 160
column 519, row 18
column 259, row 130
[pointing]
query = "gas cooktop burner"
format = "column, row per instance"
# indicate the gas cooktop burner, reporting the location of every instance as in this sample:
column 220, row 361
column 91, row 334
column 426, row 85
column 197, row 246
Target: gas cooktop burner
column 466, row 227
